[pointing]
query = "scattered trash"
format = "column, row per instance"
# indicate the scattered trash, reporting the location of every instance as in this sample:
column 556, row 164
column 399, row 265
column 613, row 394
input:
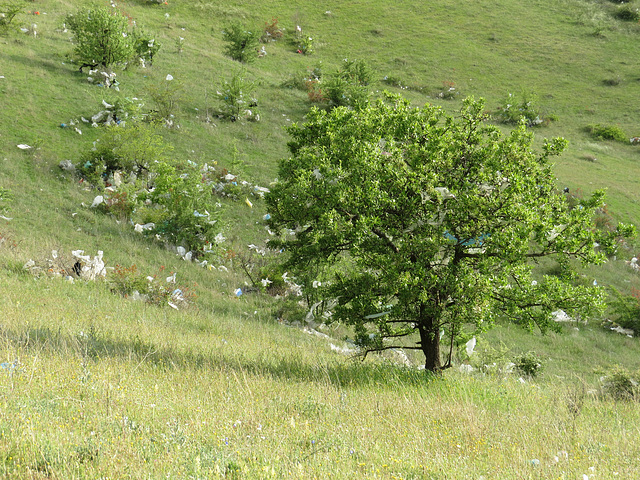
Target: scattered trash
column 141, row 228
column 89, row 268
column 377, row 315
column 470, row 346
column 169, row 77
column 99, row 200
column 238, row 292
column 15, row 366
column 623, row 331
column 67, row 166
column 249, row 204
column 23, row 146
column 184, row 254
column 105, row 79
column 561, row 316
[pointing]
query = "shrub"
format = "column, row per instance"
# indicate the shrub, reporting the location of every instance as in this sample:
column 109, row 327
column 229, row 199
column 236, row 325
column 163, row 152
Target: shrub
column 166, row 96
column 180, row 206
column 620, row 384
column 145, row 46
column 492, row 360
column 306, row 45
column 272, row 31
column 448, row 91
column 241, row 44
column 128, row 282
column 607, row 132
column 348, row 86
column 301, row 80
column 528, row 364
column 8, row 11
column 236, row 98
column 120, row 203
column 628, row 14
column 101, row 37
column 514, row 109
column 5, row 199
column 130, row 149
column 626, row 311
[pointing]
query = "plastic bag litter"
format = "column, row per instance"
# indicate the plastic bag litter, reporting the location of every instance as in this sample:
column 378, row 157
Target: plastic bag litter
column 184, row 254
column 90, row 268
column 470, row 346
column 67, row 166
column 97, row 201
column 141, row 228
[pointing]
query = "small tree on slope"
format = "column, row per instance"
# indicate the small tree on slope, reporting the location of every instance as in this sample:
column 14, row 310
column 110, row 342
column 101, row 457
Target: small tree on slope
column 431, row 223
column 101, row 37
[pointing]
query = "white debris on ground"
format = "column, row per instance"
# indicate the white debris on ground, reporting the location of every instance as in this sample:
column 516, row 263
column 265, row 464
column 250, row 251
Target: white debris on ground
column 561, row 316
column 89, row 268
column 103, row 78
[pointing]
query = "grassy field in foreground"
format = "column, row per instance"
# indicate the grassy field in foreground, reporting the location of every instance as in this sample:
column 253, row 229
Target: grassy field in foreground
column 93, row 385
column 106, row 388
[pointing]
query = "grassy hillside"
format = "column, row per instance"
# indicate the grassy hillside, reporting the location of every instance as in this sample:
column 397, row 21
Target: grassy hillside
column 93, row 385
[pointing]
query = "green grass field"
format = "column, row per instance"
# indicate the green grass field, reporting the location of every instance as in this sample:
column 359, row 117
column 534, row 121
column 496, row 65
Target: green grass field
column 93, row 385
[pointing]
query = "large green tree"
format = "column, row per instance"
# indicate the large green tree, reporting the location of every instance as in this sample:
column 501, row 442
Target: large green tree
column 432, row 224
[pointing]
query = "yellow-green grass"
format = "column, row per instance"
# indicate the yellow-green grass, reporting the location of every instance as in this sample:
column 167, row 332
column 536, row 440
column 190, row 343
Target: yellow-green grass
column 105, row 387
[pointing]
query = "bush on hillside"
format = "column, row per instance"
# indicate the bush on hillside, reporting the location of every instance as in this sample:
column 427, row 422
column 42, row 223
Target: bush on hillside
column 607, row 132
column 528, row 364
column 102, row 39
column 5, row 199
column 166, row 96
column 8, row 11
column 241, row 44
column 349, row 85
column 156, row 289
column 145, row 46
column 236, row 98
column 182, row 209
column 272, row 31
column 514, row 109
column 129, row 150
column 628, row 14
column 626, row 311
column 621, row 384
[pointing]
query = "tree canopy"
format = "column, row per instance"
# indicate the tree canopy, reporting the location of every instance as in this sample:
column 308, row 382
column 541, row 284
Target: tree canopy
column 432, row 224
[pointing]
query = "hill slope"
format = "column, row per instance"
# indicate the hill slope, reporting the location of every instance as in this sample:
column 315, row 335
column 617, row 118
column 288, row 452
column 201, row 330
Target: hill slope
column 96, row 385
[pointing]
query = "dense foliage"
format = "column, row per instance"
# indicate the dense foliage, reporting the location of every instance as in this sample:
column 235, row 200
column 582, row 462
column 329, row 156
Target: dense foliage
column 430, row 223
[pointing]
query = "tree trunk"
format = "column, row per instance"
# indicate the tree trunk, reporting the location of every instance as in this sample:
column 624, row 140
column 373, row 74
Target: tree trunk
column 430, row 343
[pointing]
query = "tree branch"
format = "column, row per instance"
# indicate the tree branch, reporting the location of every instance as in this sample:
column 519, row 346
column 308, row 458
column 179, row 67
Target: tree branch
column 386, row 239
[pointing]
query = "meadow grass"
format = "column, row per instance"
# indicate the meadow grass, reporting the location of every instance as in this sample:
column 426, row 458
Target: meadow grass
column 94, row 385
